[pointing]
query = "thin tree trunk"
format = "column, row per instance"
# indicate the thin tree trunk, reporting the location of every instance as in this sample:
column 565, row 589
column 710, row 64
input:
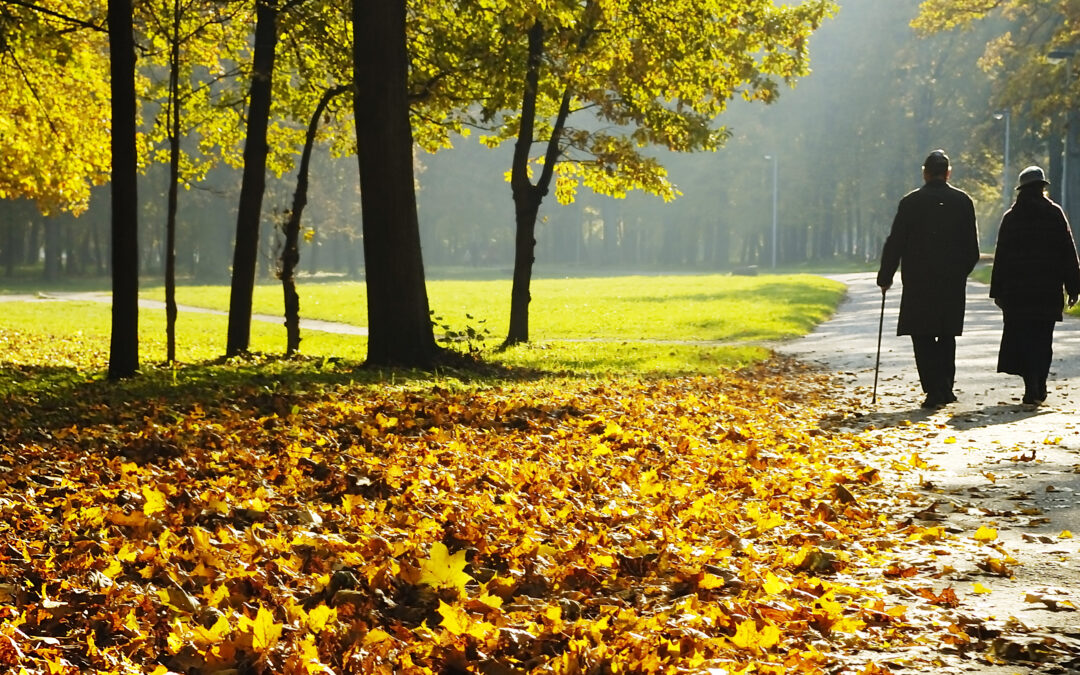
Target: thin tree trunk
column 124, row 345
column 246, row 247
column 53, row 248
column 290, row 253
column 174, row 180
column 527, row 197
column 399, row 324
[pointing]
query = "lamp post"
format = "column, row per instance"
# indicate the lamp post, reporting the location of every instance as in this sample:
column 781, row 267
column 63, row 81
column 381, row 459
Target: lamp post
column 775, row 191
column 1004, row 115
column 1056, row 56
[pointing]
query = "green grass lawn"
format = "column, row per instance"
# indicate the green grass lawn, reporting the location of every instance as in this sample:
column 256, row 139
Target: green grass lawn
column 638, row 325
column 702, row 307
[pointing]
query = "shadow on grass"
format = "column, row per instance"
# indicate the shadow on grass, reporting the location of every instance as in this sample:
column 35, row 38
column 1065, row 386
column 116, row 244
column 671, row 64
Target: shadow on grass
column 39, row 398
column 785, row 292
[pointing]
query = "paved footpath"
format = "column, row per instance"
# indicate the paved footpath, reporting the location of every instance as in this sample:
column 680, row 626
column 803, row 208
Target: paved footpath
column 989, row 460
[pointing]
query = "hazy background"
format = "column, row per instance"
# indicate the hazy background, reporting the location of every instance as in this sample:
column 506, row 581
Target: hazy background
column 848, row 142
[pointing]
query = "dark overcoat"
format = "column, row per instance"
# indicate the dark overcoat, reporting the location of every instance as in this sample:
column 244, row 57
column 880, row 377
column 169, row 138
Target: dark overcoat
column 1034, row 260
column 935, row 242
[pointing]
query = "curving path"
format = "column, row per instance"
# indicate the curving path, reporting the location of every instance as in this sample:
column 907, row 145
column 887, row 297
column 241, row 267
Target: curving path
column 991, row 460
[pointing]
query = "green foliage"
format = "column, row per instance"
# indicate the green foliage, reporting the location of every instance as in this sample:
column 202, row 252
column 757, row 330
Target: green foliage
column 55, row 96
column 469, row 340
column 649, row 73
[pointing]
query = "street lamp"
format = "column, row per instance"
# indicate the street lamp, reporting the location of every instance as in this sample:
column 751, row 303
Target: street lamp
column 1004, row 115
column 1056, row 56
column 775, row 190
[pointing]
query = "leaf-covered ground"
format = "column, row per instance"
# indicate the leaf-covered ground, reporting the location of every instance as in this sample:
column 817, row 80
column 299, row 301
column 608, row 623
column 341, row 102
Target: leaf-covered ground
column 705, row 524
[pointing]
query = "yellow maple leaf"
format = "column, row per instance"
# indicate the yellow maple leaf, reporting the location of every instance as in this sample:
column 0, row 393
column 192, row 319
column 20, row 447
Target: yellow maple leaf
column 774, row 584
column 711, row 581
column 177, row 638
column 492, row 601
column 113, row 569
column 131, row 622
column 264, row 632
column 319, row 617
column 747, row 636
column 650, row 484
column 375, row 636
column 483, row 630
column 980, row 589
column 155, row 500
column 212, row 635
column 455, row 619
column 985, row 533
column 1065, row 534
column 443, row 570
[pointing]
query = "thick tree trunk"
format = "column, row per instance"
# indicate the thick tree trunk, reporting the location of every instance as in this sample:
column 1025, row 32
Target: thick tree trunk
column 399, row 323
column 526, row 208
column 246, row 247
column 290, row 253
column 124, row 346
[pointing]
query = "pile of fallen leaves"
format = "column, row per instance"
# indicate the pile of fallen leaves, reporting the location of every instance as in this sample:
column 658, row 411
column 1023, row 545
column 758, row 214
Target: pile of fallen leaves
column 691, row 525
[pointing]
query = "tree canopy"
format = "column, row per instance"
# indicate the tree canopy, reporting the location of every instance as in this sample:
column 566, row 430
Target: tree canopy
column 54, row 114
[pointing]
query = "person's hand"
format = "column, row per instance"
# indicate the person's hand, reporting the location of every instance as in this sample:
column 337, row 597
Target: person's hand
column 885, row 287
column 1072, row 299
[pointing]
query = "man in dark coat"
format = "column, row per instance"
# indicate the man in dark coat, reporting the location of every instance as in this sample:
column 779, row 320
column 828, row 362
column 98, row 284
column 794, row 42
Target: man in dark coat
column 935, row 241
column 1035, row 259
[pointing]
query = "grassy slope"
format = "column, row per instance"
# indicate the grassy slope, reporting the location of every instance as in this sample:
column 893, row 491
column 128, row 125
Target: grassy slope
column 705, row 307
column 578, row 325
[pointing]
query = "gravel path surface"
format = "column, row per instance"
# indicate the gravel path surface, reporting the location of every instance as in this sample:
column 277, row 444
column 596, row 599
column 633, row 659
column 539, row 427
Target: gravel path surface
column 986, row 460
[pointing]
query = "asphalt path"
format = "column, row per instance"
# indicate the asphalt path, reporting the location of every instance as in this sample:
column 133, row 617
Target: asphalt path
column 986, row 460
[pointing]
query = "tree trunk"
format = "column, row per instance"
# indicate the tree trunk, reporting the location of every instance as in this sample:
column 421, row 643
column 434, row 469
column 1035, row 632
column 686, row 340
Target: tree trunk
column 527, row 197
column 174, row 180
column 399, row 323
column 1055, row 148
column 9, row 250
column 53, row 248
column 246, row 247
column 1072, row 190
column 290, row 252
column 124, row 346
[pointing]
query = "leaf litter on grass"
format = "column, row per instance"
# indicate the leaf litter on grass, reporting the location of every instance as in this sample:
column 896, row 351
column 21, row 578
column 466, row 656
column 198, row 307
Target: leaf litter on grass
column 700, row 524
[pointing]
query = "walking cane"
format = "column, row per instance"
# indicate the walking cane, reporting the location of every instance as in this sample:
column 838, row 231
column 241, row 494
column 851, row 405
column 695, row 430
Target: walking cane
column 877, row 361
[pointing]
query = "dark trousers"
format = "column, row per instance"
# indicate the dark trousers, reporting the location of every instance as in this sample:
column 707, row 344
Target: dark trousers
column 935, row 357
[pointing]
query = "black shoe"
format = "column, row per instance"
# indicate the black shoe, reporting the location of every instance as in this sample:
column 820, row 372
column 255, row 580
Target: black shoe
column 948, row 397
column 932, row 401
column 1030, row 399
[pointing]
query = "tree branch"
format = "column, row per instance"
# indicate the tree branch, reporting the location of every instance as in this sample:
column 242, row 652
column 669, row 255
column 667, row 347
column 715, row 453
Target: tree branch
column 56, row 15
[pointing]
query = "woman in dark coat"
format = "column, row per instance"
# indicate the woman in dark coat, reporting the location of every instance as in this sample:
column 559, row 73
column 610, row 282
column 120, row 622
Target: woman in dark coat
column 1034, row 260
